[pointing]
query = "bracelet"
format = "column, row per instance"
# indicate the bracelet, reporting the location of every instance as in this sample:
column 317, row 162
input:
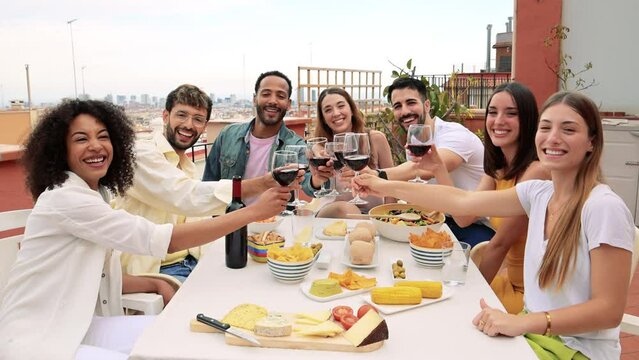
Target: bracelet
column 382, row 174
column 548, row 324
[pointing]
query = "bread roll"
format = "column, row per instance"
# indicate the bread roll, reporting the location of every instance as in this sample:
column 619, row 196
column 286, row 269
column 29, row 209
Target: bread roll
column 369, row 226
column 362, row 252
column 360, row 234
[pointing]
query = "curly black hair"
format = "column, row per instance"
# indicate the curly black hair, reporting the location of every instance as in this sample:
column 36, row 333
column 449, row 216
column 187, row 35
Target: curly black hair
column 45, row 155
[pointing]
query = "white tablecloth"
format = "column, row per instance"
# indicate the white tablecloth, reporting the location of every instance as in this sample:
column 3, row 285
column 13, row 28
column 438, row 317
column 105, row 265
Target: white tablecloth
column 438, row 331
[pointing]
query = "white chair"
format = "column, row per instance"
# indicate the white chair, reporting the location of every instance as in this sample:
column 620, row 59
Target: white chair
column 630, row 323
column 149, row 304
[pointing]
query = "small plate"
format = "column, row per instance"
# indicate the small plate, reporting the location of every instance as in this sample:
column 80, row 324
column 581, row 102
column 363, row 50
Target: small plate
column 392, row 309
column 346, row 257
column 306, row 290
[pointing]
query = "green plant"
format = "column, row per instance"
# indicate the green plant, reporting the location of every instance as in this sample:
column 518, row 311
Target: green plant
column 562, row 70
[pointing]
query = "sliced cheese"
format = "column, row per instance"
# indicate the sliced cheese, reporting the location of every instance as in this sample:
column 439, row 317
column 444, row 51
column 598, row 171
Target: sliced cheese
column 244, row 316
column 338, row 228
column 325, row 329
column 370, row 329
column 274, row 325
column 314, row 317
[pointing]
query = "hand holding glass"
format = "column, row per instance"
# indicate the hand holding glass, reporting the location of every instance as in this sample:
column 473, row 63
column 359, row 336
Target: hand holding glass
column 418, row 140
column 358, row 147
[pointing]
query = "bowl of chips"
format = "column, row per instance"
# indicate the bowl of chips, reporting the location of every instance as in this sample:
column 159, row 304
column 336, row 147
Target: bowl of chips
column 259, row 244
column 398, row 230
column 290, row 264
column 430, row 247
column 261, row 226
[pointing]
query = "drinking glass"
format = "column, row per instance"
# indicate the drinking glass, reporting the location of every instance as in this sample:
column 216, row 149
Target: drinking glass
column 284, row 169
column 302, row 226
column 456, row 265
column 317, row 156
column 331, row 149
column 418, row 140
column 359, row 151
column 339, row 155
column 302, row 163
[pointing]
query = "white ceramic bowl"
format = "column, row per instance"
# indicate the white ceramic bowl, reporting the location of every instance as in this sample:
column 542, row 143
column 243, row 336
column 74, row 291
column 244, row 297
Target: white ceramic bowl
column 258, row 227
column 399, row 232
column 290, row 272
column 427, row 256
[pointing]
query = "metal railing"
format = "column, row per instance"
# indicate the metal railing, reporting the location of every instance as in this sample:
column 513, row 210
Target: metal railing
column 194, row 149
column 479, row 86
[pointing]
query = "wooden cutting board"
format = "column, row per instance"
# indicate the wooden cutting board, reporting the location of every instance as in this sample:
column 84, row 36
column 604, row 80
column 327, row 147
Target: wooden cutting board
column 293, row 341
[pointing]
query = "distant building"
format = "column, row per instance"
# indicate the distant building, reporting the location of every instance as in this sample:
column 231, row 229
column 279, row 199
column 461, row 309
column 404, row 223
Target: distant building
column 133, row 99
column 145, row 99
column 162, row 103
column 121, row 100
column 504, row 49
column 109, row 98
column 314, row 95
column 233, row 99
column 212, row 96
column 154, row 101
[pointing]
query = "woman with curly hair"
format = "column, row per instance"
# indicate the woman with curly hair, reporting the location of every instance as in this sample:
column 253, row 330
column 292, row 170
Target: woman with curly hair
column 69, row 257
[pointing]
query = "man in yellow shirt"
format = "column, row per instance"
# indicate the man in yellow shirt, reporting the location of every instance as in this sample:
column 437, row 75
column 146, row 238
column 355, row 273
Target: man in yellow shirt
column 165, row 187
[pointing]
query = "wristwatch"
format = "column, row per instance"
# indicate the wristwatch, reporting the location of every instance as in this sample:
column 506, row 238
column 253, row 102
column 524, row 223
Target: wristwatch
column 382, row 174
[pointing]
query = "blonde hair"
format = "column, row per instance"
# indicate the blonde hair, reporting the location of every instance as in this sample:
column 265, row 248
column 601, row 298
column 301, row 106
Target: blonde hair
column 561, row 252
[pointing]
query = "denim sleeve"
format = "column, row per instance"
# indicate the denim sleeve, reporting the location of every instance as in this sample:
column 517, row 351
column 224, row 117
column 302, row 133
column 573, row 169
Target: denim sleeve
column 212, row 168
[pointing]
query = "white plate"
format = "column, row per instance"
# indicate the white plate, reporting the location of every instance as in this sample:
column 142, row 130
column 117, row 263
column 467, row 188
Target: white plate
column 306, row 290
column 346, row 257
column 392, row 309
column 319, row 233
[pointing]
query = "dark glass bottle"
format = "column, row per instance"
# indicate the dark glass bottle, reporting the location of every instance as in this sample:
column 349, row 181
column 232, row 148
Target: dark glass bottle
column 236, row 245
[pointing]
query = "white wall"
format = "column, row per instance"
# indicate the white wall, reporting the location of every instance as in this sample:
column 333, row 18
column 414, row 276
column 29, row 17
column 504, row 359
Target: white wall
column 605, row 33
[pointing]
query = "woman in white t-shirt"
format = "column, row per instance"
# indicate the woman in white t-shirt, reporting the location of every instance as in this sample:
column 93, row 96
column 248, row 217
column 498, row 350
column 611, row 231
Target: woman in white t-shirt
column 67, row 270
column 580, row 237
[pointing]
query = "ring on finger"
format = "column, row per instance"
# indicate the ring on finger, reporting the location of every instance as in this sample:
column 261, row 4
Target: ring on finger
column 482, row 323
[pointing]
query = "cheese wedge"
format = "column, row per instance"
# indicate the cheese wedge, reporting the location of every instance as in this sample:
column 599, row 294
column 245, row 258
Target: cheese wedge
column 313, row 317
column 325, row 329
column 370, row 329
column 274, row 325
column 338, row 228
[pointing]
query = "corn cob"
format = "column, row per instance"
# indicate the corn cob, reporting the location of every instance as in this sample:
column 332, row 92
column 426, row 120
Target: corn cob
column 430, row 289
column 396, row 295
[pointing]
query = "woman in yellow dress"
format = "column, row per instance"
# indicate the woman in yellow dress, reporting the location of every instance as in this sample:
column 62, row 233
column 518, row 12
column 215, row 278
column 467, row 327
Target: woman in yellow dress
column 509, row 158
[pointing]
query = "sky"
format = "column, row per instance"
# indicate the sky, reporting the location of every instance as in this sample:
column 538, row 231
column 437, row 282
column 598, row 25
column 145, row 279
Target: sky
column 133, row 47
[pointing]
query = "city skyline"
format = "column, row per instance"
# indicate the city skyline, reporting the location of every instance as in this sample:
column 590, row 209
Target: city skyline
column 150, row 47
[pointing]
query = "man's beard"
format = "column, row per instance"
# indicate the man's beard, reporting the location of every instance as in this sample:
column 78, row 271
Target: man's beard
column 171, row 137
column 269, row 121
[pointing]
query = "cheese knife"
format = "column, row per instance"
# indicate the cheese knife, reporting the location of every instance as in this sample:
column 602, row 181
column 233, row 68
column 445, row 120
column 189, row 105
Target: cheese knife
column 226, row 328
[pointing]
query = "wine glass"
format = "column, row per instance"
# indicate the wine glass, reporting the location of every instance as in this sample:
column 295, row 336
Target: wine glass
column 317, row 156
column 302, row 164
column 419, row 138
column 339, row 155
column 331, row 149
column 284, row 169
column 359, row 151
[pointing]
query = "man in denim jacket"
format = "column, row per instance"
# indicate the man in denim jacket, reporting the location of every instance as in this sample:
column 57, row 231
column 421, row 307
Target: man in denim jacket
column 246, row 149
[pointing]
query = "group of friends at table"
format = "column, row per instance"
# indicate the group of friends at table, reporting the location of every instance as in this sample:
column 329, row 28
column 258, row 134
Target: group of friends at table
column 560, row 249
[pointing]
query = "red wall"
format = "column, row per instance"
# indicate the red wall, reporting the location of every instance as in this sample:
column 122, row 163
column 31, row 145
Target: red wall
column 533, row 21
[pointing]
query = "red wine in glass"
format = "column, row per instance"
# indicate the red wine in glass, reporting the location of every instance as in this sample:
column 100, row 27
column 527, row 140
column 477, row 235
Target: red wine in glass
column 318, row 161
column 356, row 162
column 418, row 149
column 303, row 167
column 285, row 176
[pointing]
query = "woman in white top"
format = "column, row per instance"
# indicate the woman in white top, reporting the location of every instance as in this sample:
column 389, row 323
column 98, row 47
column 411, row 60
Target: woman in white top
column 580, row 237
column 67, row 268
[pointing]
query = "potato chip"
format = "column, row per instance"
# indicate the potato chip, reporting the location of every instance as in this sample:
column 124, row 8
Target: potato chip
column 295, row 253
column 431, row 239
column 353, row 281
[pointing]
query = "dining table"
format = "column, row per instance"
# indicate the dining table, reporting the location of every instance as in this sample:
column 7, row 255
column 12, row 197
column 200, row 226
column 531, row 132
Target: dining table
column 440, row 330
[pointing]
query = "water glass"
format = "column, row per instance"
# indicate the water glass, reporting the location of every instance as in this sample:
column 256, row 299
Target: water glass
column 456, row 265
column 302, row 226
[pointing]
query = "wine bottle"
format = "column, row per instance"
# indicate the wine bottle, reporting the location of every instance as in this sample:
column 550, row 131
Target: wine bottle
column 236, row 241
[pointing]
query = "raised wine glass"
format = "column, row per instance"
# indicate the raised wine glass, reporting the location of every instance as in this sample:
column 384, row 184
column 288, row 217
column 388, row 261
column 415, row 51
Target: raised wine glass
column 359, row 151
column 419, row 138
column 331, row 149
column 339, row 154
column 284, row 168
column 302, row 163
column 317, row 156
